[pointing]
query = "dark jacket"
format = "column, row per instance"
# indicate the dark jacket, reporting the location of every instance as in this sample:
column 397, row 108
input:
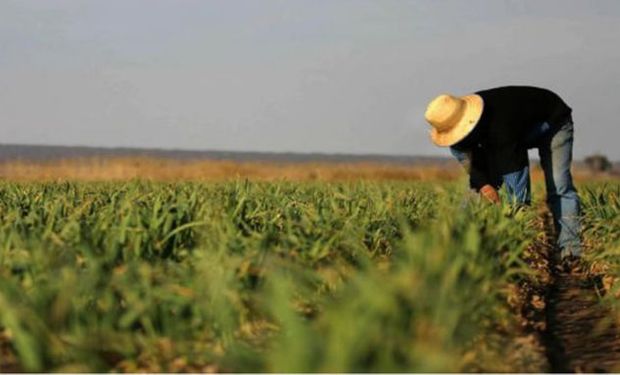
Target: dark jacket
column 498, row 144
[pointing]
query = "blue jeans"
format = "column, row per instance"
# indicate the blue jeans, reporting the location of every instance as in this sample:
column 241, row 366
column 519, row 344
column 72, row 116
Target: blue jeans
column 555, row 148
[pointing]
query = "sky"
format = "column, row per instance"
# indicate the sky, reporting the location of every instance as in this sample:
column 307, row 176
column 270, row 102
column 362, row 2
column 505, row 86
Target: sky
column 334, row 76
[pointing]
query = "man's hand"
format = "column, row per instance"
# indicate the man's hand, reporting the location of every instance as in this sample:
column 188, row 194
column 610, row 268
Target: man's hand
column 490, row 194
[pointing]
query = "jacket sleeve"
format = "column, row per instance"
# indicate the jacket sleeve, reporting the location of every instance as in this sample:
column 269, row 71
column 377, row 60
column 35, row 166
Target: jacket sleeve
column 475, row 164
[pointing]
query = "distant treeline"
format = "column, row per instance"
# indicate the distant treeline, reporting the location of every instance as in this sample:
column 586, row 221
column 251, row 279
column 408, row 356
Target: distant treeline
column 38, row 153
column 11, row 152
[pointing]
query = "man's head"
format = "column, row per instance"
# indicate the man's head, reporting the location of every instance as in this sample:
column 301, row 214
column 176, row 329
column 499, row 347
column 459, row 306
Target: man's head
column 453, row 118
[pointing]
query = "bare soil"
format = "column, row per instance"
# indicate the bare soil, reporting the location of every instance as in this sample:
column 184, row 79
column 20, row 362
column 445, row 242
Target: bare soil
column 579, row 334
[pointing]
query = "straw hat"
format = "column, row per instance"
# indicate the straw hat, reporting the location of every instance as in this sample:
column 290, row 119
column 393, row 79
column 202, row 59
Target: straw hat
column 453, row 118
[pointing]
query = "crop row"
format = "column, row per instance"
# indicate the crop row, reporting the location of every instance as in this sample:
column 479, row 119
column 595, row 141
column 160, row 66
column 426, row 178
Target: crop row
column 246, row 276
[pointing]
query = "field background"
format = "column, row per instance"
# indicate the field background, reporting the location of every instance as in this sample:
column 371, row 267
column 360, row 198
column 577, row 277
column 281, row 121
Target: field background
column 142, row 264
column 21, row 162
column 125, row 168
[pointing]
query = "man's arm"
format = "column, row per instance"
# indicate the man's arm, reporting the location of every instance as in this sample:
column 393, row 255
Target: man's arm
column 478, row 180
column 511, row 162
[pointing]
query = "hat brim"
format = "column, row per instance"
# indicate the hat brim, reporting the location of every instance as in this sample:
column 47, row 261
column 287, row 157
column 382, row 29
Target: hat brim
column 471, row 115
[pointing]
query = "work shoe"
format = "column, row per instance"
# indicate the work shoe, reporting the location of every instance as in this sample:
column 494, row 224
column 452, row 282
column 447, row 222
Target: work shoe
column 571, row 264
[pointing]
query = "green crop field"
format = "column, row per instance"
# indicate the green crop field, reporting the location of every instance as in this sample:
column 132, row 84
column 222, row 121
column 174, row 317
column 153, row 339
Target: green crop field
column 251, row 276
column 601, row 206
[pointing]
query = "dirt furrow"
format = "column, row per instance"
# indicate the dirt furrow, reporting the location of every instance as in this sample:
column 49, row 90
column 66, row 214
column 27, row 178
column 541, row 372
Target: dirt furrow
column 580, row 334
